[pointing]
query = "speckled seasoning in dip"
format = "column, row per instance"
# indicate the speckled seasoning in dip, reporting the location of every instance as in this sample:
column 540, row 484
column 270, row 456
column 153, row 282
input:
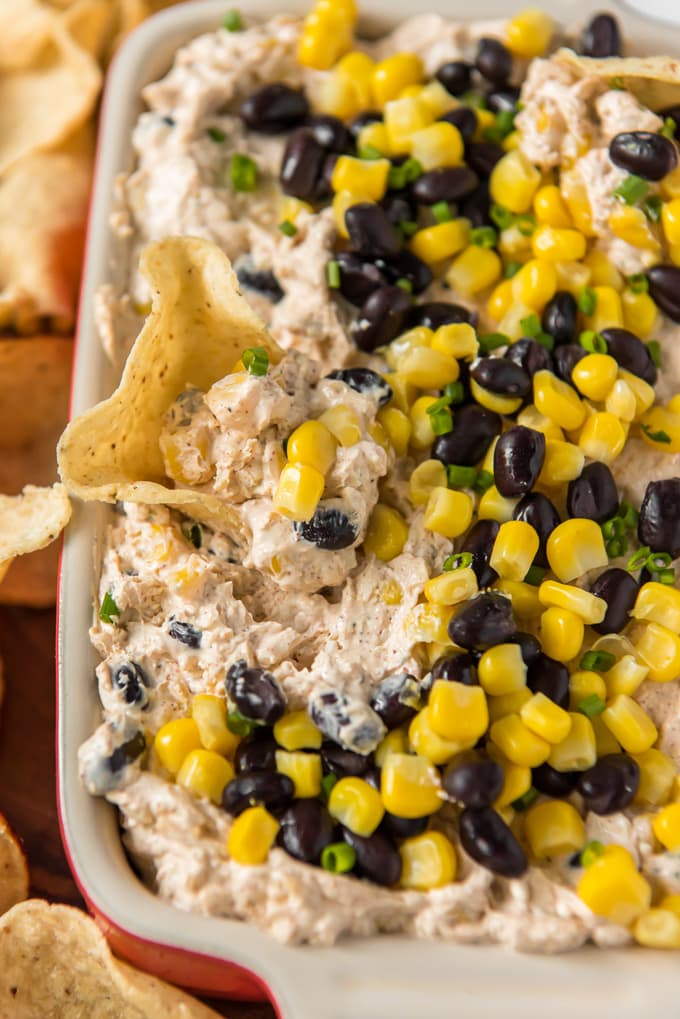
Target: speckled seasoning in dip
column 428, row 682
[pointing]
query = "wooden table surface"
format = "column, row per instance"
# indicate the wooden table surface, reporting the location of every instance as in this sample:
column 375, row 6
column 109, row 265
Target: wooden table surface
column 27, row 763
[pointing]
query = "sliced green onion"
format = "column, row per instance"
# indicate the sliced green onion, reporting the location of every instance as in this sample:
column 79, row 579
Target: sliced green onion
column 399, row 176
column 333, row 274
column 525, row 223
column 658, row 561
column 327, row 783
column 639, row 559
column 526, row 800
column 593, row 342
column 531, row 325
column 616, row 547
column 243, row 172
column 454, row 392
column 591, row 705
column 441, row 212
column 616, row 83
column 501, row 216
column 597, row 661
column 511, row 269
column 638, row 283
column 255, row 360
column 338, row 858
column 440, row 404
column 239, row 724
column 485, row 480
column 461, row 477
column 441, row 422
column 484, row 237
column 216, row 134
column 666, row 577
column 652, row 207
column 287, row 228
column 404, row 285
column 412, row 170
column 628, row 515
column 658, row 436
column 591, row 851
column 654, row 348
column 459, row 561
column 631, row 190
column 613, row 528
column 408, row 227
column 668, row 129
column 473, row 98
column 232, row 21
column 369, row 152
column 535, row 575
column 490, row 341
column 587, row 301
column 193, row 533
column 108, row 608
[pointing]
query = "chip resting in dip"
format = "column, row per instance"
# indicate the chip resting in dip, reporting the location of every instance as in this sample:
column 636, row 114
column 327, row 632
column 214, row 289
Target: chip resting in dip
column 387, row 611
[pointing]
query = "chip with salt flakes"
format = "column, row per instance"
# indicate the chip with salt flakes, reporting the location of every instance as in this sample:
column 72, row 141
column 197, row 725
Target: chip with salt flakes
column 13, row 869
column 655, row 81
column 31, row 520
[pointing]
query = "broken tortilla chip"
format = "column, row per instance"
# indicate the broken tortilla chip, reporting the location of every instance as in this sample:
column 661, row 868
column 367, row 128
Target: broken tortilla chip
column 31, row 520
column 655, row 81
column 54, row 961
column 13, row 869
column 198, row 328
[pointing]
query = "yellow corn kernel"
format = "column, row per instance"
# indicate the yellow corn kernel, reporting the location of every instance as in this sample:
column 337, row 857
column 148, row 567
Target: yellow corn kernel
column 658, row 928
column 458, row 712
column 420, row 336
column 604, row 740
column 561, row 633
column 514, row 245
column 425, row 741
column 666, row 827
column 674, row 254
column 394, row 74
column 516, row 780
column 558, row 401
column 584, row 683
column 553, row 829
column 524, row 598
column 428, row 369
column 530, row 417
column 395, row 742
column 487, row 462
column 514, row 181
column 625, row 676
column 639, row 313
column 535, row 284
column 658, row 772
column 422, row 435
column 251, row 836
column 670, row 185
column 437, row 145
column 485, row 120
column 379, row 436
column 630, row 724
column 428, row 623
column 549, row 207
column 558, row 244
column 501, row 670
column 500, row 300
column 563, row 462
column 572, row 276
column 205, row 773
column 659, row 603
column 433, row 244
column 613, row 888
column 671, row 902
column 514, row 549
column 643, row 392
column 357, row 67
column 320, row 48
column 631, row 225
column 508, row 704
column 356, row 805
column 403, row 118
column 303, row 769
column 494, row 506
column 174, row 741
column 298, row 491
column 410, row 786
column 575, row 547
column 589, row 607
column 659, row 649
column 343, row 424
column 448, row 512
column 374, row 135
column 494, row 401
column 296, row 731
column 545, row 718
column 427, row 861
column 474, row 270
column 457, row 340
column 661, row 420
column 387, row 533
column 602, row 437
column 528, row 33
column 608, row 310
column 312, row 444
column 594, row 375
column 436, row 98
column 452, row 587
column 361, row 176
column 620, row 401
column 210, row 715
column 338, row 95
column 603, row 272
column 428, row 475
column 576, row 197
column 519, row 744
column 342, row 201
column 290, row 208
column 670, row 220
column 397, row 428
column 403, row 393
column 578, row 750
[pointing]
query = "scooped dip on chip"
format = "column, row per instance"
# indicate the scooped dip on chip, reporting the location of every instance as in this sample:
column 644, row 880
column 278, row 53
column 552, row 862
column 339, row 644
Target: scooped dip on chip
column 387, row 612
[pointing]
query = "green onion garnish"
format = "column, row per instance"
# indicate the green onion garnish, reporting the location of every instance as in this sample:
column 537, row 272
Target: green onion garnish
column 484, row 237
column 239, row 724
column 628, row 515
column 616, row 547
column 441, row 212
column 613, row 528
column 490, row 341
column 216, row 134
column 616, row 83
column 287, row 228
column 597, row 661
column 658, row 436
column 526, row 800
column 591, row 705
column 654, row 348
column 333, row 274
column 108, row 608
column 658, row 560
column 501, row 216
column 243, row 172
column 454, row 392
column 369, row 152
column 631, row 190
column 441, row 421
column 327, row 783
column 408, row 227
column 511, row 269
column 461, row 477
column 485, row 480
column 666, row 577
column 412, row 170
column 668, row 129
column 232, row 21
column 531, row 325
column 638, row 283
column 255, row 360
column 474, row 99
column 459, row 561
column 535, row 575
column 193, row 533
column 591, row 851
column 338, row 858
column 593, row 342
column 440, row 404
column 404, row 285
column 399, row 176
column 639, row 559
column 587, row 301
column 652, row 208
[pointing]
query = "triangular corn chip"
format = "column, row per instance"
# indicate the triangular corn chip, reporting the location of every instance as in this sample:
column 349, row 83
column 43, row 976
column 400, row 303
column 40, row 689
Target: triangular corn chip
column 655, row 81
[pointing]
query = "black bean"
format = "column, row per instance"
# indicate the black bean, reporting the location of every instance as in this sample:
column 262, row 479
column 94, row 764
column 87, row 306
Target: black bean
column 644, row 153
column 185, row 633
column 445, row 185
column 397, row 699
column 528, row 645
column 257, row 751
column 464, row 118
column 406, row 266
column 454, row 76
column 345, row 720
column 479, row 543
column 566, row 358
column 631, row 353
column 553, row 783
column 306, row 829
column 378, row 858
column 536, row 509
column 659, row 524
column 474, row 783
column 503, row 100
column 301, row 165
column 372, row 776
column 364, row 380
column 610, row 785
column 363, row 119
column 370, row 230
column 486, row 837
column 402, row 827
column 500, row 375
column 127, row 752
column 262, row 281
column 474, row 429
column 483, row 156
column 274, row 108
column 619, row 589
column 359, row 277
column 549, row 677
column 131, row 680
column 483, row 621
column 268, row 789
column 439, row 313
column 493, row 61
column 456, row 667
column 517, row 460
column 664, row 287
column 601, row 37
column 530, row 356
column 382, row 317
column 343, row 762
column 593, row 494
column 323, row 188
column 330, row 529
column 255, row 692
column 560, row 317
column 477, row 206
column 330, row 132
column 399, row 206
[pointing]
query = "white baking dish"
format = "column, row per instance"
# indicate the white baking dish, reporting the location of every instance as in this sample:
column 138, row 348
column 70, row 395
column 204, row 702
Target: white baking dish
column 391, row 976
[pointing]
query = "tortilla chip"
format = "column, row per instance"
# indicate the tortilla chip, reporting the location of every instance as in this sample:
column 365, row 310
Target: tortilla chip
column 13, row 869
column 198, row 328
column 31, row 520
column 655, row 81
column 91, row 23
column 54, row 961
